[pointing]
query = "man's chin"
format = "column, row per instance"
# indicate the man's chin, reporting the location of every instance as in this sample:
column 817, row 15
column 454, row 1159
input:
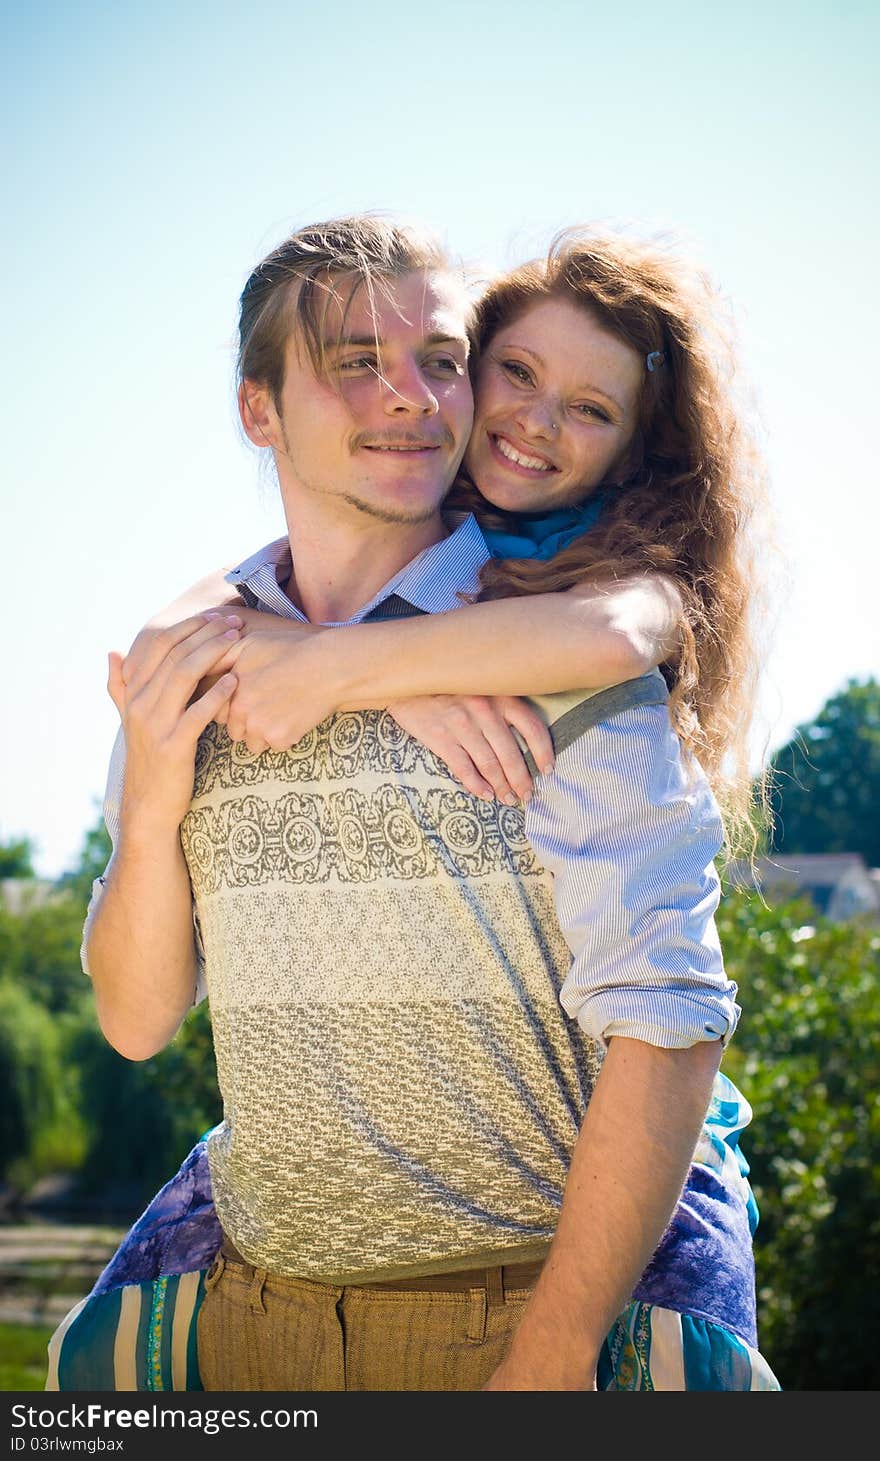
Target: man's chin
column 407, row 515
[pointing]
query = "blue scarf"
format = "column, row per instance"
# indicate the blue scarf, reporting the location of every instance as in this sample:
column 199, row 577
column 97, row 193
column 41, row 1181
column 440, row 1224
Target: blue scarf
column 544, row 535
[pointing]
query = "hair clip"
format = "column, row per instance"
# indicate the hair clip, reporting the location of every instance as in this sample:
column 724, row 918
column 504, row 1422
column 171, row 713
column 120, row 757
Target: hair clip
column 655, row 360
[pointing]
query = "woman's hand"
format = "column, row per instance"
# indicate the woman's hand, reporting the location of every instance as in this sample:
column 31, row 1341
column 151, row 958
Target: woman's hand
column 279, row 695
column 284, row 684
column 473, row 734
column 163, row 714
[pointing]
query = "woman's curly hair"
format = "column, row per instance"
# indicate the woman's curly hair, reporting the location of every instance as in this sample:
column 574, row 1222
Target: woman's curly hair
column 693, row 502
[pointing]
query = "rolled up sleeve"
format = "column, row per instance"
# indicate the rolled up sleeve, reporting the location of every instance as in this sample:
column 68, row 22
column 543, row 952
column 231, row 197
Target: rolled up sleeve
column 630, row 831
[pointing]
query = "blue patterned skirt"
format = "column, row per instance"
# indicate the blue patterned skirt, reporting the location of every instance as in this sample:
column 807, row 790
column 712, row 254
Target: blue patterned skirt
column 691, row 1324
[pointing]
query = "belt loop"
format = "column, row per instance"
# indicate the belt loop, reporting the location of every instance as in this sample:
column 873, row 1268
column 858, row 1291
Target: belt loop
column 476, row 1330
column 494, row 1286
column 258, row 1283
column 215, row 1272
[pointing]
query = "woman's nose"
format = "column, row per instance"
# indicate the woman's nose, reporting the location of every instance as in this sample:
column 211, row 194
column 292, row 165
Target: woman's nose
column 538, row 417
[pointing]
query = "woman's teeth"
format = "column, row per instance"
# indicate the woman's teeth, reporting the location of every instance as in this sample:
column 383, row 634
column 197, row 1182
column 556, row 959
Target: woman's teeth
column 536, row 464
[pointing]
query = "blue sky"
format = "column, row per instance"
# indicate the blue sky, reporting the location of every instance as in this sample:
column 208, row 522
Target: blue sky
column 152, row 154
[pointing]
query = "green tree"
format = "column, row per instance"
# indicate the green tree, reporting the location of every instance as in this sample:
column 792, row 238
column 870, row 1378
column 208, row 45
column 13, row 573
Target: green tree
column 50, row 936
column 826, row 779
column 10, row 944
column 93, row 858
column 807, row 1057
column 39, row 950
column 142, row 1117
column 68, row 1101
column 39, row 1128
column 17, row 858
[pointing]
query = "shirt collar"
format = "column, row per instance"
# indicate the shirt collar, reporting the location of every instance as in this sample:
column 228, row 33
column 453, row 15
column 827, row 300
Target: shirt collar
column 432, row 582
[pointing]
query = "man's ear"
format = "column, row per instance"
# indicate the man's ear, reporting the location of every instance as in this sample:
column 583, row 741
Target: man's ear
column 258, row 415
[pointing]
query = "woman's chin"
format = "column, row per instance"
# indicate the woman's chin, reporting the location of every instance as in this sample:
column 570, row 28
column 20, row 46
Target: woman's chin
column 514, row 504
column 513, row 496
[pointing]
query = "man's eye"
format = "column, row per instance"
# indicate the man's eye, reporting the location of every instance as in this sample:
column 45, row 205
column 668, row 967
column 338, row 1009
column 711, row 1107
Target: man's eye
column 447, row 364
column 517, row 370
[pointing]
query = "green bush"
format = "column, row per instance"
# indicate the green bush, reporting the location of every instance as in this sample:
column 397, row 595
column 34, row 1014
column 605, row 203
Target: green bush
column 807, row 1057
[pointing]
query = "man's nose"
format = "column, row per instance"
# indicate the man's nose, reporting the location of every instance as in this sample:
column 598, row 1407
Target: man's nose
column 407, row 392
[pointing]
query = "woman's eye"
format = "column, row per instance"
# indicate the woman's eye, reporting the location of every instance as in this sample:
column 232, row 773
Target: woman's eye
column 593, row 413
column 517, row 370
column 358, row 362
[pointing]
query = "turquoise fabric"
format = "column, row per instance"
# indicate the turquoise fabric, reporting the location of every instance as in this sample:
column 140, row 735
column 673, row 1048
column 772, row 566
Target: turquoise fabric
column 85, row 1350
column 634, row 1357
column 713, row 1360
column 544, row 535
column 655, row 1349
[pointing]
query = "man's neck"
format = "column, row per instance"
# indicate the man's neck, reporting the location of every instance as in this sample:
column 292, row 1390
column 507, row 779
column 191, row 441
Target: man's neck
column 341, row 560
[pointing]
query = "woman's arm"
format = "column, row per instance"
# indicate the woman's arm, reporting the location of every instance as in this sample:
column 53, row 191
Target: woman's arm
column 627, row 1171
column 593, row 636
column 291, row 676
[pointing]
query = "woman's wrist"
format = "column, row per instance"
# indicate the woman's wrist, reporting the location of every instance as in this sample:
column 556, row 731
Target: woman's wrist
column 353, row 677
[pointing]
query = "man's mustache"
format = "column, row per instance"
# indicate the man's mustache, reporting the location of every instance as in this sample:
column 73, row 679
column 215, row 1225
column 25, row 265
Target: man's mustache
column 415, row 440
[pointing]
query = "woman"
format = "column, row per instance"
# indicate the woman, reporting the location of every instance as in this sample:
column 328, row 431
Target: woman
column 596, row 397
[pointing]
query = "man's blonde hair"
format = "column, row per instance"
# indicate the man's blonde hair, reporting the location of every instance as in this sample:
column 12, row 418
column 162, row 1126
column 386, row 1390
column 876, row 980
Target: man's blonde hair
column 293, row 288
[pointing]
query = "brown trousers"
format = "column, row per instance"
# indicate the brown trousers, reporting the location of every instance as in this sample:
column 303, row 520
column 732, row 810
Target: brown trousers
column 260, row 1331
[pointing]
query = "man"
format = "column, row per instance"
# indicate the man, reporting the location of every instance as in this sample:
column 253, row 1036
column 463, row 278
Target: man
column 402, row 1091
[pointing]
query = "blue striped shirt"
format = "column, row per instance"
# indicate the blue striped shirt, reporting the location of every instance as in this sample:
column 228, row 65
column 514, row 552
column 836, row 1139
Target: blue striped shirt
column 628, row 828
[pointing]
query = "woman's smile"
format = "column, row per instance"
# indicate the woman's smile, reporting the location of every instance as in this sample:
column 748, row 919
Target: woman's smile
column 518, row 457
column 556, row 409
